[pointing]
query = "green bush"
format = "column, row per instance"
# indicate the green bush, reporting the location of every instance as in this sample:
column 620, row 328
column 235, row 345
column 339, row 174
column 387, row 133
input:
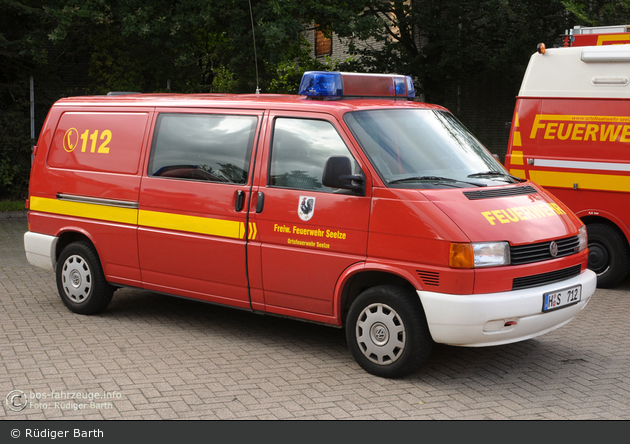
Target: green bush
column 12, row 205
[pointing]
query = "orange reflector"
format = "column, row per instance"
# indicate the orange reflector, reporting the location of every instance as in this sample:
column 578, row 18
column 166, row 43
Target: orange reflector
column 541, row 48
column 27, row 206
column 461, row 256
column 510, row 323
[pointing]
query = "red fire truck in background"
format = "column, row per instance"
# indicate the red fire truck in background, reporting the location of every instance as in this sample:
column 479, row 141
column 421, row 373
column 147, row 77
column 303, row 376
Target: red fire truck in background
column 597, row 35
column 571, row 134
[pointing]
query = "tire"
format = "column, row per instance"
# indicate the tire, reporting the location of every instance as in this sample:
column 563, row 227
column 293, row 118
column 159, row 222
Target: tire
column 80, row 279
column 608, row 254
column 387, row 332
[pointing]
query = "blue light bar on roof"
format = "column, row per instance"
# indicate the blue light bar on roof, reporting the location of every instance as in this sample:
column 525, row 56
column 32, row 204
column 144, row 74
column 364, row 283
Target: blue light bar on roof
column 328, row 84
column 321, row 84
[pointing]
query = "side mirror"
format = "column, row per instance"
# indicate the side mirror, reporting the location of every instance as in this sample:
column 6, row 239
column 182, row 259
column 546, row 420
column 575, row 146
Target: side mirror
column 338, row 174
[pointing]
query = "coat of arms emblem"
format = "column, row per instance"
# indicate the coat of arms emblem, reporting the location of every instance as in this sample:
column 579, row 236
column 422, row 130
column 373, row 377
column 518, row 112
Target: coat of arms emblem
column 306, row 207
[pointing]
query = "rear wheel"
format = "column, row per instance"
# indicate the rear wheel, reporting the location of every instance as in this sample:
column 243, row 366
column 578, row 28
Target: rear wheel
column 608, row 254
column 80, row 279
column 387, row 332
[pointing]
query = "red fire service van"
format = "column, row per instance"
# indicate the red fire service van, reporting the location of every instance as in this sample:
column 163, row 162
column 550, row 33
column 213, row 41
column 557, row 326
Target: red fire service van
column 348, row 205
column 571, row 134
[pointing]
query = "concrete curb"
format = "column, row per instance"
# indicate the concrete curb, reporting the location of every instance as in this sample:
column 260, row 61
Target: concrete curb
column 13, row 215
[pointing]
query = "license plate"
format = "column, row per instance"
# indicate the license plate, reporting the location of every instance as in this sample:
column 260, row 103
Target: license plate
column 562, row 298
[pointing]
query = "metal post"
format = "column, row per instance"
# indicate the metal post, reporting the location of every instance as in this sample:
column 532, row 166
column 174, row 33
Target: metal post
column 32, row 109
column 32, row 118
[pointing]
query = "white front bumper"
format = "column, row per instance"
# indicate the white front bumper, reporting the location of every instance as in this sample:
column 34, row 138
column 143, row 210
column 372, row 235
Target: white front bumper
column 480, row 319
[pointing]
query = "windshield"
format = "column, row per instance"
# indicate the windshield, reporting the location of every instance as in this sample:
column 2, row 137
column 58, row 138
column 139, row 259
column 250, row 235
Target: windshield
column 424, row 148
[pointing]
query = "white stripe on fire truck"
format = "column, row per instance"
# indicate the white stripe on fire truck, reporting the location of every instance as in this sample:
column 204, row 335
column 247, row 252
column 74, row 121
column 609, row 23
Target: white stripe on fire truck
column 579, row 165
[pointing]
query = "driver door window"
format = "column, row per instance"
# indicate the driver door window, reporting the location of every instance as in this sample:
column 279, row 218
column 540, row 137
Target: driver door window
column 299, row 152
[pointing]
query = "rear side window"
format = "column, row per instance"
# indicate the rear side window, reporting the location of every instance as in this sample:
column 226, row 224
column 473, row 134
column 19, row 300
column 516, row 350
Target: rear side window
column 98, row 141
column 205, row 147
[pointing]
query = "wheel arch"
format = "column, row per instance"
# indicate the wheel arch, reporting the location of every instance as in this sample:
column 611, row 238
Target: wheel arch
column 358, row 280
column 68, row 237
column 607, row 219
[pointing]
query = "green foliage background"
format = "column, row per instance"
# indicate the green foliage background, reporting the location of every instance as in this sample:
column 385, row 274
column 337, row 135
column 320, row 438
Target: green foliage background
column 94, row 46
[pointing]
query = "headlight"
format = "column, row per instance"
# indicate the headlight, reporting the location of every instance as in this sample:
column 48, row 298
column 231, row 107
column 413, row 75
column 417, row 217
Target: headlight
column 479, row 254
column 583, row 238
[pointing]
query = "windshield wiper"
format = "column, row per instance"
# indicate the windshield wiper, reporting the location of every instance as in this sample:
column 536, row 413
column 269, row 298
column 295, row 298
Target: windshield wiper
column 496, row 173
column 434, row 179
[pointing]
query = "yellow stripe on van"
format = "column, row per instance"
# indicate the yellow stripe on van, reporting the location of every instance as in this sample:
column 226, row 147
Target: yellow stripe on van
column 192, row 224
column 604, row 182
column 153, row 219
column 87, row 210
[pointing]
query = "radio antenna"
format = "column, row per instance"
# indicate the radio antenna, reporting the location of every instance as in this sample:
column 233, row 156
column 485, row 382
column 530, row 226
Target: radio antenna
column 251, row 15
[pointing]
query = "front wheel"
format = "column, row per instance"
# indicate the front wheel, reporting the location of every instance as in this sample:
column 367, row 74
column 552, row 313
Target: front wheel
column 80, row 279
column 387, row 332
column 608, row 254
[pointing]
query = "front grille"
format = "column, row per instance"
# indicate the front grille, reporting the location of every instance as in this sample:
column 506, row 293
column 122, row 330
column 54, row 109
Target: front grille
column 499, row 192
column 526, row 254
column 545, row 278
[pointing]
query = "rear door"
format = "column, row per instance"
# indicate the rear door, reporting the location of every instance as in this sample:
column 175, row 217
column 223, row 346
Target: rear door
column 309, row 234
column 193, row 224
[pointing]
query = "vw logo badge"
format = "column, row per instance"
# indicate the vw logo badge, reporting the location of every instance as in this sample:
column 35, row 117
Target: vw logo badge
column 380, row 334
column 553, row 249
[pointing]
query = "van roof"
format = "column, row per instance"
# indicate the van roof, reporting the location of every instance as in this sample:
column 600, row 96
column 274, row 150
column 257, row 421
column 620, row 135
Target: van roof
column 587, row 71
column 242, row 101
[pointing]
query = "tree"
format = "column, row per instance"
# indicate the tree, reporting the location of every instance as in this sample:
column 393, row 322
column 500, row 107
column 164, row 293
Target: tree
column 195, row 46
column 598, row 12
column 441, row 41
column 21, row 57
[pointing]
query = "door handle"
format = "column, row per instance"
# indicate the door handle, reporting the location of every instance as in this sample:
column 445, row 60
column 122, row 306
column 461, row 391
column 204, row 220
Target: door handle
column 240, row 200
column 260, row 202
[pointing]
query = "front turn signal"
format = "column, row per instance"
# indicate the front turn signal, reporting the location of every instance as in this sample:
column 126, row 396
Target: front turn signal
column 461, row 256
